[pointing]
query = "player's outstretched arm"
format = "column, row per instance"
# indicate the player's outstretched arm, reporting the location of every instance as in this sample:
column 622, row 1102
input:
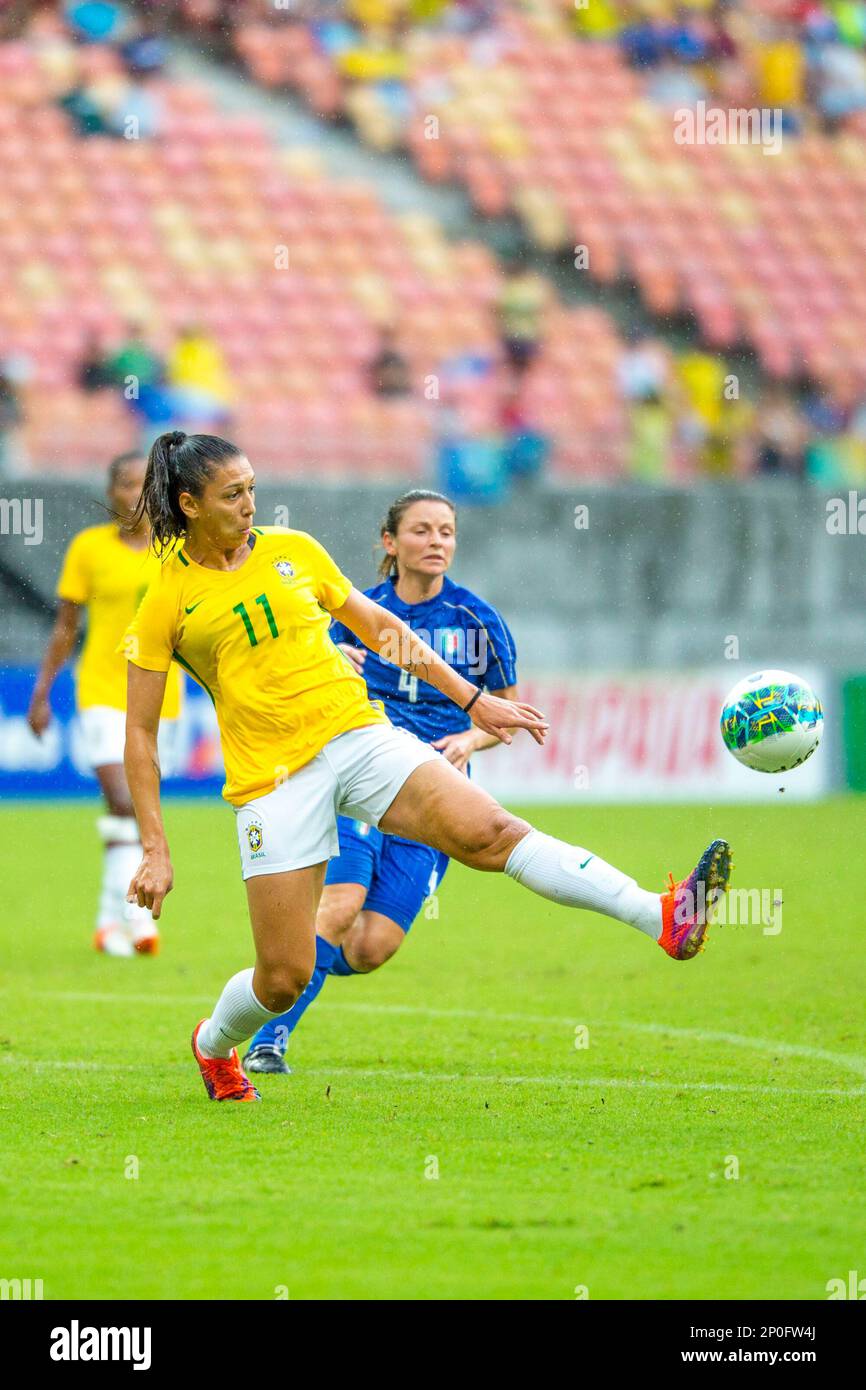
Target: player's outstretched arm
column 153, row 879
column 59, row 650
column 386, row 634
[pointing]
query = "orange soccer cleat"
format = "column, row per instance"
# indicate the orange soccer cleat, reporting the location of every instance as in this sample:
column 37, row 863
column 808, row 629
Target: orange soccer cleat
column 688, row 907
column 112, row 941
column 147, row 945
column 223, row 1077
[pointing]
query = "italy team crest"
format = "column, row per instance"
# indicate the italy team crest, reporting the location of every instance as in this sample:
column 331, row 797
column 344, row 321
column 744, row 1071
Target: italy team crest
column 449, row 639
column 284, row 568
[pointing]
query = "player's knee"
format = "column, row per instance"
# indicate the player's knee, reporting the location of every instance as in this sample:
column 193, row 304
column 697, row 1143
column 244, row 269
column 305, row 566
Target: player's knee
column 493, row 837
column 282, row 985
column 338, row 908
column 368, row 953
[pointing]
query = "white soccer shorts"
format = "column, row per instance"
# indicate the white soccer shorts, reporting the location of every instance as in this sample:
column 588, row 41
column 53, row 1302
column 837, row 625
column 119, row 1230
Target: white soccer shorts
column 357, row 774
column 103, row 730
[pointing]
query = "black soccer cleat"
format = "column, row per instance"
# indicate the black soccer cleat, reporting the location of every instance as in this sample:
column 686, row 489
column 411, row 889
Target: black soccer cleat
column 267, row 1061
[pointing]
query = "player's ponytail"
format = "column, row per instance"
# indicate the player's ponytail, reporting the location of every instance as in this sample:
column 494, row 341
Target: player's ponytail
column 394, row 515
column 177, row 463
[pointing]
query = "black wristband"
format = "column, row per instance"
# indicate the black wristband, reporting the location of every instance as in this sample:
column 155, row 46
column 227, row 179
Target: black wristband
column 467, row 708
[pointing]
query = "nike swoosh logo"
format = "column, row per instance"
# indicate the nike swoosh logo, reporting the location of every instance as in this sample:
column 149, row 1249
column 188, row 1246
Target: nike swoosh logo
column 194, row 606
column 586, row 861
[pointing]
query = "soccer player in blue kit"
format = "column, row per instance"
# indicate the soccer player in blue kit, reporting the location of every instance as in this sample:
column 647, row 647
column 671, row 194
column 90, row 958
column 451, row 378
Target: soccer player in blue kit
column 376, row 887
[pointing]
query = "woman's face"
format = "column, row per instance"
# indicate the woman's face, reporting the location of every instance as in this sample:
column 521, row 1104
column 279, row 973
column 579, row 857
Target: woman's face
column 426, row 539
column 124, row 492
column 223, row 514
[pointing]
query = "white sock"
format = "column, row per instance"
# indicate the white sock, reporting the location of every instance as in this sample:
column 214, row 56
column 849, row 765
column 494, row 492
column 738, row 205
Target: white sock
column 115, row 882
column 122, row 857
column 137, row 921
column 566, row 874
column 238, row 1014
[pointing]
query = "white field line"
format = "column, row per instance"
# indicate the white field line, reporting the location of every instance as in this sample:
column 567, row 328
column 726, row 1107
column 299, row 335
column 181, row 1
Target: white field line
column 849, row 1061
column 467, row 1078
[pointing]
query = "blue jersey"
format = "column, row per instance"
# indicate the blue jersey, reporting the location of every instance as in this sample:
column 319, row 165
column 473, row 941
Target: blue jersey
column 464, row 630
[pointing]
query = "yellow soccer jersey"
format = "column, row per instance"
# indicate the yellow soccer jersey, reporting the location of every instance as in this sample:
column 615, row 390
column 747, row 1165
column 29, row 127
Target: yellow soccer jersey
column 256, row 638
column 109, row 578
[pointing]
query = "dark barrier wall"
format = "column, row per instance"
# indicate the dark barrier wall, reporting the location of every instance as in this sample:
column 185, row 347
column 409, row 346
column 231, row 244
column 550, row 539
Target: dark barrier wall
column 588, row 577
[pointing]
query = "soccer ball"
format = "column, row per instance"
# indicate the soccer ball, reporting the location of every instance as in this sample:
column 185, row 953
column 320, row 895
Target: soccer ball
column 772, row 721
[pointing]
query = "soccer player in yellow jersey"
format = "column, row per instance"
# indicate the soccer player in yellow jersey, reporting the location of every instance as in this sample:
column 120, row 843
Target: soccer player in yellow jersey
column 105, row 573
column 246, row 611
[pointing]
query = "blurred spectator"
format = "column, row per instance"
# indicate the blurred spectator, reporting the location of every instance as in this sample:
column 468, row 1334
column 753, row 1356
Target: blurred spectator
column 705, row 424
column 643, row 376
column 781, row 68
column 671, row 85
column 525, row 447
column 84, row 110
column 389, row 370
column 135, row 112
column 840, row 83
column 470, row 455
column 781, row 433
column 643, row 368
column 144, row 51
column 651, row 437
column 645, row 44
column 702, row 376
column 821, row 411
column 600, row 20
column 11, row 417
column 199, row 378
column 113, row 106
column 521, row 307
column 94, row 373
column 134, row 363
column 94, row 21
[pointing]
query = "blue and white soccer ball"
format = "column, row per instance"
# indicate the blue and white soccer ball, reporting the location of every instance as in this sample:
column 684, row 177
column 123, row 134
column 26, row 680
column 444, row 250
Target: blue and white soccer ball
column 772, row 721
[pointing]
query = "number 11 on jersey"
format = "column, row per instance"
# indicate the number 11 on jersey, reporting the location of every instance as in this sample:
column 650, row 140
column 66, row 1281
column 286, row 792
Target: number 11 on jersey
column 241, row 610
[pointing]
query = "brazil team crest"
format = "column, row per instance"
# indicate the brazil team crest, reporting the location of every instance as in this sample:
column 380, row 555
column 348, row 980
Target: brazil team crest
column 284, row 568
column 255, row 837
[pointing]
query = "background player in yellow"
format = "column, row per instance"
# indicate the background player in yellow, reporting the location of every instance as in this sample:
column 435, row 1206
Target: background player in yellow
column 105, row 573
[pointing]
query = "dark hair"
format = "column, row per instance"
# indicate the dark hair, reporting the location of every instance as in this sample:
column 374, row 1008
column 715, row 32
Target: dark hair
column 120, row 461
column 394, row 515
column 177, row 463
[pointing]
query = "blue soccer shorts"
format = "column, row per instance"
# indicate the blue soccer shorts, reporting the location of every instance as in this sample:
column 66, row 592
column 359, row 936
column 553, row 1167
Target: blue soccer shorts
column 398, row 874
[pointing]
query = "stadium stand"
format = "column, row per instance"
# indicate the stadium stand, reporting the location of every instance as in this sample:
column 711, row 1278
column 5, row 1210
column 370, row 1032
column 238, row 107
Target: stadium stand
column 533, row 118
column 292, row 280
column 292, row 274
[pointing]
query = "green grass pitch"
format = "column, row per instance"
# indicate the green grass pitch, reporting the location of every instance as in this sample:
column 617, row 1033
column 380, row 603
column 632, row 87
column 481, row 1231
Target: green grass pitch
column 560, row 1168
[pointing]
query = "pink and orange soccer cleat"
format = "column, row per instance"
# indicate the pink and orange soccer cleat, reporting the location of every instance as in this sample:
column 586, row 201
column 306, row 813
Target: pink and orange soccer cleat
column 222, row 1076
column 688, row 907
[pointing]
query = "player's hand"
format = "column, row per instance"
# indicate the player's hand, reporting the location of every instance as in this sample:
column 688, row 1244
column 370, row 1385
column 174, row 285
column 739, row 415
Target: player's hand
column 357, row 655
column 457, row 748
column 152, row 881
column 502, row 717
column 39, row 714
